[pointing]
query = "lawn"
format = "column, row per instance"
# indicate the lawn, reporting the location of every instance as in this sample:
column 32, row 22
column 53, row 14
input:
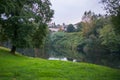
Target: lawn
column 18, row 67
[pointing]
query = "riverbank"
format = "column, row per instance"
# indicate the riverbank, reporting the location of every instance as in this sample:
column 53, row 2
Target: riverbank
column 18, row 67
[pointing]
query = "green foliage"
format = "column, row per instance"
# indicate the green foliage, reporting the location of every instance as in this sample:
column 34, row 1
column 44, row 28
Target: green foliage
column 57, row 36
column 25, row 20
column 79, row 27
column 39, row 35
column 66, row 40
column 88, row 22
column 116, row 22
column 25, row 68
column 96, row 39
column 109, row 38
column 3, row 37
column 92, row 25
column 70, row 28
column 113, row 7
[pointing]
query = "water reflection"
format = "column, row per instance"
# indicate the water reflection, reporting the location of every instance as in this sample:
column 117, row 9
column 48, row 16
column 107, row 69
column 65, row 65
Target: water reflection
column 74, row 56
column 65, row 54
column 96, row 56
column 91, row 57
column 62, row 59
column 54, row 54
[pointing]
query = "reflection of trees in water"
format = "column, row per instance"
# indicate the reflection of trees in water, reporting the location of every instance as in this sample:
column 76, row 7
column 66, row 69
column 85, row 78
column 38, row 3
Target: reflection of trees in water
column 26, row 52
column 102, row 57
column 55, row 52
column 106, row 59
column 92, row 56
column 97, row 56
column 41, row 53
column 68, row 53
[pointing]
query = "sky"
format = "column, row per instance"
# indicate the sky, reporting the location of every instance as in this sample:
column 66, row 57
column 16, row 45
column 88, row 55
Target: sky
column 71, row 11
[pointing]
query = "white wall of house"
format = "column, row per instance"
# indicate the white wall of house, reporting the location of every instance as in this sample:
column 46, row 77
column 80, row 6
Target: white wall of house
column 54, row 29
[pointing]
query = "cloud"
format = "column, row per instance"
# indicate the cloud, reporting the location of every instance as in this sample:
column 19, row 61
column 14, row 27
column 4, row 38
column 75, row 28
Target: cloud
column 71, row 11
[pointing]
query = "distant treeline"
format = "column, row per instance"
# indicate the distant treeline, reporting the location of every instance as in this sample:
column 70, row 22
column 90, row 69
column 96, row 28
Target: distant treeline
column 94, row 36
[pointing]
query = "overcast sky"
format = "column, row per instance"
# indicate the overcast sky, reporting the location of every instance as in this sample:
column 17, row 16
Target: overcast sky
column 71, row 11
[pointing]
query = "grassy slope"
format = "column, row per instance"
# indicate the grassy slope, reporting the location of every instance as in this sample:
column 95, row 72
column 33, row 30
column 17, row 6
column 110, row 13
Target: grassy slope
column 25, row 68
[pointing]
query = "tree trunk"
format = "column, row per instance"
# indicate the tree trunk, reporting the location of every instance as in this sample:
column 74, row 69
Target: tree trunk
column 13, row 49
column 36, row 52
column 0, row 44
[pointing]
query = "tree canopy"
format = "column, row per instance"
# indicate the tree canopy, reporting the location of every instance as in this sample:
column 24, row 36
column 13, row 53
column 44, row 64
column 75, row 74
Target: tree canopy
column 113, row 8
column 23, row 20
column 70, row 28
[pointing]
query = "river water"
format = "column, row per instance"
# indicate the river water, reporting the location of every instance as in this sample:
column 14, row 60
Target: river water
column 111, row 60
column 74, row 56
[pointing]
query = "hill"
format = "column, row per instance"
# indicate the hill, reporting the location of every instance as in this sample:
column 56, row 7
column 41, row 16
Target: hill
column 18, row 67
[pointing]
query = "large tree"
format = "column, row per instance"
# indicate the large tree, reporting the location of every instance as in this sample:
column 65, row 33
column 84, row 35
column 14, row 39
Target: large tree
column 23, row 19
column 88, row 23
column 110, row 39
column 113, row 7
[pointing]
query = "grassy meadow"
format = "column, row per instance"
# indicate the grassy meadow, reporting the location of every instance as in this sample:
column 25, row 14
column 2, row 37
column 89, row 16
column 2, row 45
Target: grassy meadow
column 18, row 67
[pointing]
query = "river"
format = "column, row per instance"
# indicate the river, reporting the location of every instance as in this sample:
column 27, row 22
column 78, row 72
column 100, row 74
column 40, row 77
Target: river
column 74, row 56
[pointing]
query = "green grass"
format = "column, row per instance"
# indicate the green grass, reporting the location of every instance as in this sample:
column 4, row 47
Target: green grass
column 17, row 67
